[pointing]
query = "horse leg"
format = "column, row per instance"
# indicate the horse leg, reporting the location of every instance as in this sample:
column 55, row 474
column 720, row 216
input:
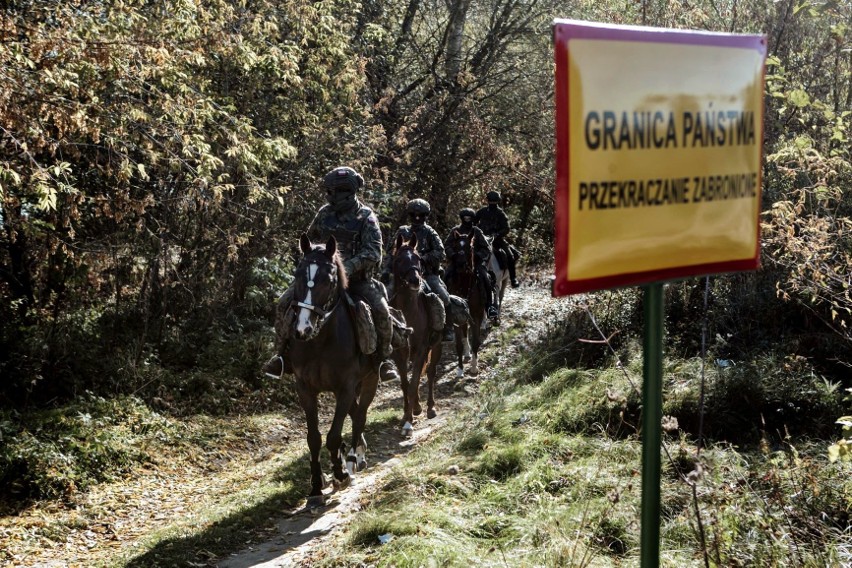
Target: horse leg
column 417, row 367
column 475, row 342
column 431, row 374
column 461, row 344
column 357, row 458
column 344, row 400
column 309, row 405
column 401, row 358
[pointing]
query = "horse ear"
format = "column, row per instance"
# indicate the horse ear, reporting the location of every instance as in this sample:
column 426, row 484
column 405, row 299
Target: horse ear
column 305, row 243
column 398, row 242
column 412, row 242
column 331, row 247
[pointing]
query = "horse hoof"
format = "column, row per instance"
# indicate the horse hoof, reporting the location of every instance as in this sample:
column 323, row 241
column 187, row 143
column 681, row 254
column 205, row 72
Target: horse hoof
column 407, row 430
column 315, row 501
column 417, row 410
column 362, row 464
column 431, row 413
column 459, row 372
column 342, row 483
column 466, row 358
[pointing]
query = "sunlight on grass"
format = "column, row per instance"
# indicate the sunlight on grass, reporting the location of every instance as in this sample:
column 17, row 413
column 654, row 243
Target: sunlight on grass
column 548, row 474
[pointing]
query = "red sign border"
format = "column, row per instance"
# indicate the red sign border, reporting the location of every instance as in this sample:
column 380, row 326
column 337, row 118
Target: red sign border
column 565, row 30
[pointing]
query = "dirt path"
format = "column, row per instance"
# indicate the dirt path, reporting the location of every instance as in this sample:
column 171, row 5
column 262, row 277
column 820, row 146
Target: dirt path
column 302, row 532
column 114, row 519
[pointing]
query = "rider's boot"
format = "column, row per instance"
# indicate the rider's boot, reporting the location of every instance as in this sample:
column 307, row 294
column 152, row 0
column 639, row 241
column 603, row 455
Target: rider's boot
column 384, row 338
column 493, row 313
column 510, row 260
column 449, row 332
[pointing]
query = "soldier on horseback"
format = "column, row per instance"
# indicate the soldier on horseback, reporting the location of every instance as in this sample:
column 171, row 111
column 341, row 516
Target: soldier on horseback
column 494, row 223
column 356, row 229
column 482, row 250
column 431, row 251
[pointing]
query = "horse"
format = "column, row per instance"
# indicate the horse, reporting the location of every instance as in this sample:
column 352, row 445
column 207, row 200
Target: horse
column 326, row 357
column 462, row 281
column 501, row 275
column 423, row 348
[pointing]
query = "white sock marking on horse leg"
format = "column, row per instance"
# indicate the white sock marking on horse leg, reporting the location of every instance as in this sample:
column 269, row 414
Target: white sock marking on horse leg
column 351, row 461
column 361, row 456
column 407, row 429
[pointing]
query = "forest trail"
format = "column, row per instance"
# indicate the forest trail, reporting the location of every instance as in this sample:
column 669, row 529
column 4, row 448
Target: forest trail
column 168, row 498
column 301, row 533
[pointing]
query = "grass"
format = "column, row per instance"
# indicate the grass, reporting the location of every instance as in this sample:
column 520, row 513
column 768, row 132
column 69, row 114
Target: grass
column 543, row 469
column 546, row 472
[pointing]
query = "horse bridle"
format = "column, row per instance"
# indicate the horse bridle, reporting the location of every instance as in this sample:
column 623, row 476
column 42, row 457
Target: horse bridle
column 416, row 268
column 323, row 312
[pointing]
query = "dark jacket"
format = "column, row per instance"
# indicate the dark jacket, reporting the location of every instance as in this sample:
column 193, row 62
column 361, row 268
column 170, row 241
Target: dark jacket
column 429, row 247
column 492, row 221
column 359, row 239
column 481, row 248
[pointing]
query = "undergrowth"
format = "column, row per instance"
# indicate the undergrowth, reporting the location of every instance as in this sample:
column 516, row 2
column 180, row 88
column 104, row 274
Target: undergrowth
column 545, row 471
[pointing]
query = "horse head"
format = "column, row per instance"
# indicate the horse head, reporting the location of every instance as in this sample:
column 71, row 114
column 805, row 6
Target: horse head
column 318, row 285
column 462, row 258
column 407, row 264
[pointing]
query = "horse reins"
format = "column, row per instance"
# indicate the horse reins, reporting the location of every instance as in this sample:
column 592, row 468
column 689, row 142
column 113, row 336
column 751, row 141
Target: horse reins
column 324, row 311
column 416, row 268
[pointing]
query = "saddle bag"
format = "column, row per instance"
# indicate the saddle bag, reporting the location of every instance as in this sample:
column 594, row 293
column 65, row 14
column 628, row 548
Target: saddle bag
column 459, row 311
column 365, row 328
column 437, row 314
column 400, row 330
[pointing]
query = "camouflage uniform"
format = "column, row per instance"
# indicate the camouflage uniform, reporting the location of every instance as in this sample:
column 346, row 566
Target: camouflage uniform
column 359, row 242
column 431, row 250
column 481, row 252
column 494, row 223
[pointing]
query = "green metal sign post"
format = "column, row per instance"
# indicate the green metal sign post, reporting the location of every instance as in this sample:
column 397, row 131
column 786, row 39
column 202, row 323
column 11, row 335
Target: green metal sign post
column 652, row 410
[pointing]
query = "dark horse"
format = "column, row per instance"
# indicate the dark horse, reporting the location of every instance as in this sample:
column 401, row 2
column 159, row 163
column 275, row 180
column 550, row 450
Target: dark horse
column 326, row 358
column 462, row 281
column 423, row 348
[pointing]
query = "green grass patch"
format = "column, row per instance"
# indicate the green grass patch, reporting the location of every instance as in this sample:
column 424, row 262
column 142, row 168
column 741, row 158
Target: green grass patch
column 546, row 471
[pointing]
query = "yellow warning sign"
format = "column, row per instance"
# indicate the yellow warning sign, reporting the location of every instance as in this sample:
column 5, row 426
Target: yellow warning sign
column 659, row 140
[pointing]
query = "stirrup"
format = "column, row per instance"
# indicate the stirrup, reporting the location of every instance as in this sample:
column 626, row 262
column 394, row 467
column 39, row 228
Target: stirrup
column 274, row 368
column 387, row 371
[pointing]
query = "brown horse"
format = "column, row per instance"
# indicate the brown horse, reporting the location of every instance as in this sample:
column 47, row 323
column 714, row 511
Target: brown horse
column 423, row 349
column 326, row 358
column 462, row 281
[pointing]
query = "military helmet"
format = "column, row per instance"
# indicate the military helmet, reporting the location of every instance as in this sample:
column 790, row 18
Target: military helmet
column 418, row 207
column 467, row 212
column 493, row 196
column 343, row 178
